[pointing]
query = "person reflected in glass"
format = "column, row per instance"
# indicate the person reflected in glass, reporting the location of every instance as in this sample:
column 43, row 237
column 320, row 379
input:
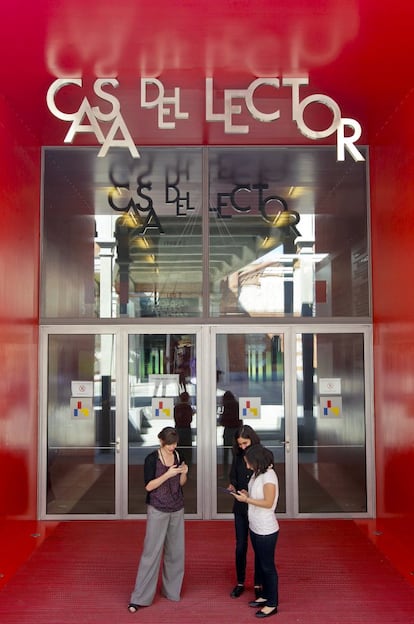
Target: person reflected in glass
column 261, row 499
column 182, row 366
column 164, row 477
column 183, row 416
column 239, row 477
column 230, row 420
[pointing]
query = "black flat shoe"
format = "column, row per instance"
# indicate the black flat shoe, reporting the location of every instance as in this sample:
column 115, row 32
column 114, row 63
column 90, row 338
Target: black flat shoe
column 260, row 614
column 260, row 602
column 133, row 608
column 237, row 591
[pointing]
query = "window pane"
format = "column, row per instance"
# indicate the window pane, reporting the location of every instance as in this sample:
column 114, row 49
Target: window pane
column 81, row 436
column 250, row 385
column 161, row 368
column 122, row 236
column 331, row 423
column 288, row 233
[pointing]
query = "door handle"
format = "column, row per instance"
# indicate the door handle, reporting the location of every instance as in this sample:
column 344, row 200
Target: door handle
column 286, row 444
column 117, row 445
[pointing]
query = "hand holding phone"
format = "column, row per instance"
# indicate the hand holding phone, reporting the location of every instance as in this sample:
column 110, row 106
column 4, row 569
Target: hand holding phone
column 241, row 496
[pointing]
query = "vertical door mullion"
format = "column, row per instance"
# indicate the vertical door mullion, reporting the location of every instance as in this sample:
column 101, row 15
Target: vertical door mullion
column 207, row 434
column 291, row 425
column 121, row 427
column 369, row 421
column 42, row 471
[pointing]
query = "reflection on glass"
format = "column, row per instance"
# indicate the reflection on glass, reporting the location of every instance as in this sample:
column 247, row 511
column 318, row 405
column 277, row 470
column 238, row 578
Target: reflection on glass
column 81, row 437
column 162, row 384
column 250, row 388
column 331, row 423
column 134, row 248
column 288, row 233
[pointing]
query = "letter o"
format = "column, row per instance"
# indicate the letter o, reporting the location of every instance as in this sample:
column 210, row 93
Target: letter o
column 326, row 101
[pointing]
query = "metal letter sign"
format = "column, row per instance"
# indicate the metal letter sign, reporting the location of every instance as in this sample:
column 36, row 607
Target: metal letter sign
column 90, row 119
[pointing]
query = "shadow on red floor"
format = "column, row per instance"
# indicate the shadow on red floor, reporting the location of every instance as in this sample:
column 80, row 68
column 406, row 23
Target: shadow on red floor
column 329, row 571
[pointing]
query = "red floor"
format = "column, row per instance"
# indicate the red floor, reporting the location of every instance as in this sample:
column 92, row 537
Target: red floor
column 82, row 572
column 18, row 540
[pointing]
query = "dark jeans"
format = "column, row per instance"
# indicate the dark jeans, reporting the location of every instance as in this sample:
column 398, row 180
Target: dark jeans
column 241, row 525
column 264, row 547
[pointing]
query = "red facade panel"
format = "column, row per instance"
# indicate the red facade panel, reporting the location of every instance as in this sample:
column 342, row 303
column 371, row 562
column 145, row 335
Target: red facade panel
column 19, row 261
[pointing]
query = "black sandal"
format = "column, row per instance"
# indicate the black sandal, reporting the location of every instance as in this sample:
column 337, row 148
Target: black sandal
column 133, row 608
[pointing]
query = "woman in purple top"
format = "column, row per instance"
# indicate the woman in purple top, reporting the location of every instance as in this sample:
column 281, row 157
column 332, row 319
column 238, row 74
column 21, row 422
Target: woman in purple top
column 164, row 476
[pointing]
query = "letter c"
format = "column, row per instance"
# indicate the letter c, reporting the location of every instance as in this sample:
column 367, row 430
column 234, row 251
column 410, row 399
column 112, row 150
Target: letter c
column 256, row 114
column 53, row 90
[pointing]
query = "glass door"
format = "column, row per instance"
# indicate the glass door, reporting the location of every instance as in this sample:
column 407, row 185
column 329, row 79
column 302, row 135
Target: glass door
column 333, row 449
column 104, row 399
column 162, row 392
column 250, row 389
column 81, row 440
column 106, row 395
column 307, row 395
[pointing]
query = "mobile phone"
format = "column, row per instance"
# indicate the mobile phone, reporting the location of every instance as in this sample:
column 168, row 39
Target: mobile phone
column 223, row 489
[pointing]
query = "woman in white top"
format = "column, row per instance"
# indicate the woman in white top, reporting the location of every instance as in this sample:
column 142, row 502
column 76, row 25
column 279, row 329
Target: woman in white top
column 263, row 525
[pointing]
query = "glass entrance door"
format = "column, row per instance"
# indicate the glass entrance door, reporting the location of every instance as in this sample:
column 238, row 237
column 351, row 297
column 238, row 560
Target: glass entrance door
column 105, row 398
column 107, row 394
column 250, row 390
column 307, row 396
column 162, row 392
column 80, row 437
column 333, row 457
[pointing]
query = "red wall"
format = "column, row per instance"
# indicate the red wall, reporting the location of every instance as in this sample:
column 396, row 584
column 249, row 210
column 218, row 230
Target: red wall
column 19, row 259
column 392, row 171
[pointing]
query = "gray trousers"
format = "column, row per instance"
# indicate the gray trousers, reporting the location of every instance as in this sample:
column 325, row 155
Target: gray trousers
column 164, row 535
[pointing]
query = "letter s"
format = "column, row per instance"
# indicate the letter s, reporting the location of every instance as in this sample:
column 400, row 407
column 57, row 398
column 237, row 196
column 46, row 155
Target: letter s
column 97, row 87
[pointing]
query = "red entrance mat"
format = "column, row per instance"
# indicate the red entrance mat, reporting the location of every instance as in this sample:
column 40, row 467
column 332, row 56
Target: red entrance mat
column 329, row 573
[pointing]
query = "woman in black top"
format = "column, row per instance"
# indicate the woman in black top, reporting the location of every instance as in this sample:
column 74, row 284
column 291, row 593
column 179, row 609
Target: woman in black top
column 239, row 476
column 164, row 476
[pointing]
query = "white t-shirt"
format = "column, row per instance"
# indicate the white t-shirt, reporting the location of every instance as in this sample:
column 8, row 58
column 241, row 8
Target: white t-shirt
column 263, row 521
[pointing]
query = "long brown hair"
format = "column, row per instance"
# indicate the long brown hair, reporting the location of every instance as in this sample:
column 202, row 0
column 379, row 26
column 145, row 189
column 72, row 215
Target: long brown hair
column 259, row 458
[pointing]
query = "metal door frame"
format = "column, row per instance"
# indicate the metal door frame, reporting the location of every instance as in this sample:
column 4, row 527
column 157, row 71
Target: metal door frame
column 289, row 390
column 291, row 425
column 206, row 424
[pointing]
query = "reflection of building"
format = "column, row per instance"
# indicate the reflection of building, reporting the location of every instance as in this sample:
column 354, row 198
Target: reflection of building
column 157, row 267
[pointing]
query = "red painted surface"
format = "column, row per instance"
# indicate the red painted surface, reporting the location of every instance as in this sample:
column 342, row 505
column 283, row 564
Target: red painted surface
column 392, row 191
column 329, row 573
column 358, row 52
column 19, row 256
column 354, row 51
column 18, row 540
